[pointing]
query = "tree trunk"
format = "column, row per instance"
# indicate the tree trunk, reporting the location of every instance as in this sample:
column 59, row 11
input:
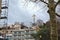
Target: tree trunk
column 53, row 23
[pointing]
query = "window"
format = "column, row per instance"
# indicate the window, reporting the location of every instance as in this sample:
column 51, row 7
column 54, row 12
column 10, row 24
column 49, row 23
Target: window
column 6, row 31
column 15, row 32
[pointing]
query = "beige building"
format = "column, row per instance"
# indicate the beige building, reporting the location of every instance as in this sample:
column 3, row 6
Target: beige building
column 23, row 34
column 14, row 32
column 8, row 29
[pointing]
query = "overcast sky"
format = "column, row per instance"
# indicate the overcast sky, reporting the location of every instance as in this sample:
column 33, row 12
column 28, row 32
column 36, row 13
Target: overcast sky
column 22, row 11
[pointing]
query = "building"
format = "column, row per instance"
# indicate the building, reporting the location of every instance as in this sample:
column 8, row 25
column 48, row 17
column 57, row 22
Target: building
column 37, row 24
column 17, row 31
column 9, row 36
column 9, row 28
column 23, row 34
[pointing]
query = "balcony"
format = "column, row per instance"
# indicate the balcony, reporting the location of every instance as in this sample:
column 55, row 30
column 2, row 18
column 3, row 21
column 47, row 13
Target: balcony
column 5, row 7
column 3, row 17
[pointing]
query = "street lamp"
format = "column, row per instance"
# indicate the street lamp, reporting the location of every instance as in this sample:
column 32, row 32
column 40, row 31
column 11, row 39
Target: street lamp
column 40, row 37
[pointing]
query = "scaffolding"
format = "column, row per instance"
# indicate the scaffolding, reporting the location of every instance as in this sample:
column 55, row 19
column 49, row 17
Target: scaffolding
column 3, row 13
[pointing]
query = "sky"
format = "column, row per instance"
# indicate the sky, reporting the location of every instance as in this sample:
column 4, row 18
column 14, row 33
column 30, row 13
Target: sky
column 22, row 11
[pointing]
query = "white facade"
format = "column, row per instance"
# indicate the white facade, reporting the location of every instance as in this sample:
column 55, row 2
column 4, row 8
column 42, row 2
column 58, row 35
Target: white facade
column 23, row 34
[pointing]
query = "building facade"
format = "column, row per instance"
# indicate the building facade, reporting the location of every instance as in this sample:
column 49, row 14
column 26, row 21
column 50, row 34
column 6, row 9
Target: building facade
column 17, row 32
column 23, row 34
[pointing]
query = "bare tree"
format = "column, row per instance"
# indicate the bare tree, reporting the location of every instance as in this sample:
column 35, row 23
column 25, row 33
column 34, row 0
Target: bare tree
column 53, row 24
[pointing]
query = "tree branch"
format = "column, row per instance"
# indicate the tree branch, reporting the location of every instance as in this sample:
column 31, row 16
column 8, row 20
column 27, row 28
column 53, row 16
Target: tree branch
column 58, row 15
column 56, row 6
column 39, row 0
column 44, row 2
column 48, row 4
column 57, row 3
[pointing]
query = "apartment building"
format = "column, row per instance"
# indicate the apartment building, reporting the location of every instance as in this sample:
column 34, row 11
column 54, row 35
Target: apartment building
column 23, row 34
